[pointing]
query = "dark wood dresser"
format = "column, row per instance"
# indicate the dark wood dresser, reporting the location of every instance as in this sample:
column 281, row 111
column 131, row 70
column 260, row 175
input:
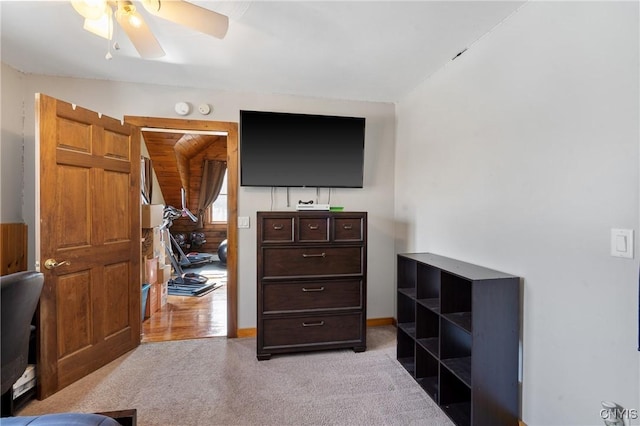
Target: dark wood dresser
column 312, row 281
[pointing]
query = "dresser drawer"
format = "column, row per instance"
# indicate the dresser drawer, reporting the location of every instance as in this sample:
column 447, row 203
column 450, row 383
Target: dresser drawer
column 321, row 329
column 347, row 229
column 313, row 229
column 310, row 295
column 277, row 229
column 307, row 261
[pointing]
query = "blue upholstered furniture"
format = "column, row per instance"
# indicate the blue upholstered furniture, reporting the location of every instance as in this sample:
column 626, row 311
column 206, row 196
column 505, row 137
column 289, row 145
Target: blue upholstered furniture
column 62, row 419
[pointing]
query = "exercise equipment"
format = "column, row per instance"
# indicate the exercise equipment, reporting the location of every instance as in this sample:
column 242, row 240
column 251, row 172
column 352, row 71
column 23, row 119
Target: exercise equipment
column 222, row 251
column 190, row 259
column 184, row 284
column 181, row 239
column 197, row 240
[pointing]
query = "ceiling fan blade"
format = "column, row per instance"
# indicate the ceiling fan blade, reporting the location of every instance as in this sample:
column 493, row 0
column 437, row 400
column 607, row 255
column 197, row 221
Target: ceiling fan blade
column 190, row 15
column 190, row 215
column 185, row 210
column 183, row 195
column 140, row 35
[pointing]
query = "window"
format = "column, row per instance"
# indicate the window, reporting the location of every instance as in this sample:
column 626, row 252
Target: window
column 218, row 210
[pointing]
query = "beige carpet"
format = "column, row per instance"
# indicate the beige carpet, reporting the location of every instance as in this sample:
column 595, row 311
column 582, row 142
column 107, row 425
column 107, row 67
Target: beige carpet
column 219, row 382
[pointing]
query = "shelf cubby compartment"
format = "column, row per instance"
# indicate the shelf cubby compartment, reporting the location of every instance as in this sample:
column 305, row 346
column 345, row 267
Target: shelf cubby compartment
column 456, row 300
column 407, row 314
column 427, row 372
column 407, row 274
column 431, row 304
column 461, row 319
column 455, row 398
column 428, row 330
column 455, row 294
column 409, row 292
column 428, row 286
column 406, row 351
column 455, row 350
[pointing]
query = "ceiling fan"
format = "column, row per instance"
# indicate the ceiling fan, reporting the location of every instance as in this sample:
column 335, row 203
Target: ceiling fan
column 99, row 16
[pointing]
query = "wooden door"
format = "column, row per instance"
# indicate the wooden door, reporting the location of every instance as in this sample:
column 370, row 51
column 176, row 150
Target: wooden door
column 89, row 224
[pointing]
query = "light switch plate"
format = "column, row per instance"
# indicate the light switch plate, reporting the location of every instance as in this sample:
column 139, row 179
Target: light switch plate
column 622, row 243
column 243, row 221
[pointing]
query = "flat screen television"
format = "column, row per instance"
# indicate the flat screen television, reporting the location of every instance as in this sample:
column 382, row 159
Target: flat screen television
column 301, row 150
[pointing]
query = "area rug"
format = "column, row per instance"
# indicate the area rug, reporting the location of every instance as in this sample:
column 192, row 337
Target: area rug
column 219, row 381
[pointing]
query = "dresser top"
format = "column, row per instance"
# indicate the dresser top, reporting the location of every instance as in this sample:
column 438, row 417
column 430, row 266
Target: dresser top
column 308, row 211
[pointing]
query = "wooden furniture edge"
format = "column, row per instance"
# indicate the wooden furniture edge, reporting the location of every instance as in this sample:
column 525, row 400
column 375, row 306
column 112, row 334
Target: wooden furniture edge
column 378, row 322
column 128, row 417
column 13, row 247
column 246, row 332
column 373, row 322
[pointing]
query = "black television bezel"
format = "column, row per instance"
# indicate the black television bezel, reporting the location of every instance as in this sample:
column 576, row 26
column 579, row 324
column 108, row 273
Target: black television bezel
column 301, row 115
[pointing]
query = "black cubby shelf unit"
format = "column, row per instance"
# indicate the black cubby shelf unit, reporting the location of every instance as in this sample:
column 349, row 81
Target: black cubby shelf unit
column 458, row 334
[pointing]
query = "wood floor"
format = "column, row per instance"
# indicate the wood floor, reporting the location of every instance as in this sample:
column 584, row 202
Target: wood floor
column 187, row 317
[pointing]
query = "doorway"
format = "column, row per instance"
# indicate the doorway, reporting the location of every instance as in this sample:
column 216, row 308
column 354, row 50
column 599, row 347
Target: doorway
column 230, row 130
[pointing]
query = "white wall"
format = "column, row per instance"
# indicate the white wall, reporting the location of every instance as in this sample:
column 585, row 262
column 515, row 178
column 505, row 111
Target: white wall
column 118, row 99
column 11, row 123
column 521, row 155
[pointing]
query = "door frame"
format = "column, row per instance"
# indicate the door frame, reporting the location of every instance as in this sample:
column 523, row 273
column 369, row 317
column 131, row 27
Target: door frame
column 231, row 128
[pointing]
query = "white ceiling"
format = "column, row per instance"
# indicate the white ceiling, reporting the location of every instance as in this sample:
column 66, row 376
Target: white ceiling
column 360, row 50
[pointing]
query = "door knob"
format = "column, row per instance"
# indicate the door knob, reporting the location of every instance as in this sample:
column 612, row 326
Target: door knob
column 52, row 264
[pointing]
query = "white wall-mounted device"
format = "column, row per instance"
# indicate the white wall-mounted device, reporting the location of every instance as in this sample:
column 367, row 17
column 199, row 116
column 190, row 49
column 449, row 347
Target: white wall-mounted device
column 182, row 108
column 204, row 109
column 622, row 243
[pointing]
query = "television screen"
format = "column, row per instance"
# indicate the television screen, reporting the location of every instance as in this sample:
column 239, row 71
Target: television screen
column 301, row 150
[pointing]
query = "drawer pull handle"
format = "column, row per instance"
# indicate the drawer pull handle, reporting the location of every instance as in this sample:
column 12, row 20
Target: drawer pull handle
column 348, row 226
column 323, row 254
column 312, row 289
column 313, row 227
column 278, row 227
column 313, row 324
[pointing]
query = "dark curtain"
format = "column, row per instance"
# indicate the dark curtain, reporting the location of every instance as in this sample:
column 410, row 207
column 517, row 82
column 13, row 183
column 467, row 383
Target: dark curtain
column 146, row 179
column 212, row 177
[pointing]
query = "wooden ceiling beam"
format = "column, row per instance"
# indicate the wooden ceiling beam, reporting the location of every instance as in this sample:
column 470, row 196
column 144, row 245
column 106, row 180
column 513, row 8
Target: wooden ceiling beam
column 177, row 162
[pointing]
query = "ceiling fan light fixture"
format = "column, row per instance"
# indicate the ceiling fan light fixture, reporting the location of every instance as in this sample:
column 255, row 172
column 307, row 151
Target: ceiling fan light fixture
column 126, row 7
column 151, row 5
column 138, row 31
column 135, row 21
column 90, row 9
column 102, row 26
column 127, row 11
